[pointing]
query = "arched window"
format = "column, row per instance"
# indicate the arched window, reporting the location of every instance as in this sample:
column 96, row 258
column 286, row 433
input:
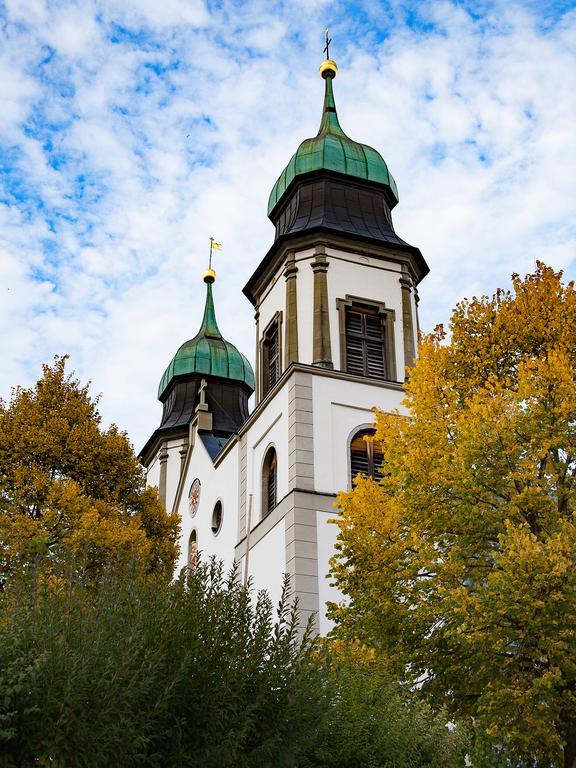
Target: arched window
column 269, row 482
column 365, row 456
column 217, row 518
column 192, row 549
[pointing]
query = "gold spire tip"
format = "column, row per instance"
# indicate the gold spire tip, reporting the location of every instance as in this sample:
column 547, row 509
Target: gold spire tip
column 328, row 68
column 209, row 275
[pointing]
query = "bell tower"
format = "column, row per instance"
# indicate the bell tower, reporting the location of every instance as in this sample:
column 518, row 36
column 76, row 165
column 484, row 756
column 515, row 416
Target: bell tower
column 204, row 393
column 337, row 255
column 336, row 325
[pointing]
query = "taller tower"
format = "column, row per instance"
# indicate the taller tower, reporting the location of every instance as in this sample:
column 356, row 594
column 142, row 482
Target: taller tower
column 336, row 322
column 336, row 326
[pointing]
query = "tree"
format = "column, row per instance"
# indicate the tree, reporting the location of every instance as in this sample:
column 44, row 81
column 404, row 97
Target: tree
column 133, row 671
column 461, row 564
column 67, row 485
column 369, row 719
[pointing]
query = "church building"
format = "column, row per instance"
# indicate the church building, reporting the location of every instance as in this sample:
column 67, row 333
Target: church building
column 336, row 310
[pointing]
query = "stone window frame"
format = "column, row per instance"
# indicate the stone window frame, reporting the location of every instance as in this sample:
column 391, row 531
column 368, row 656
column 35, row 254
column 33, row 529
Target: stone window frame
column 264, row 475
column 389, row 317
column 277, row 319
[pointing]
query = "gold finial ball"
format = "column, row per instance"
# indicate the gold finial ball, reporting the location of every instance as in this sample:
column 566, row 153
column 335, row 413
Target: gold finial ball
column 328, row 68
column 209, row 276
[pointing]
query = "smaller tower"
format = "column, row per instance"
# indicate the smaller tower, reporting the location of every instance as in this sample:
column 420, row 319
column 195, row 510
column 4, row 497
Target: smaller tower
column 204, row 391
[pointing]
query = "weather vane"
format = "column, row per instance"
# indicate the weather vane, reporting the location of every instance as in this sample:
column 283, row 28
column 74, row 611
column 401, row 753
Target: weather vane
column 328, row 41
column 214, row 246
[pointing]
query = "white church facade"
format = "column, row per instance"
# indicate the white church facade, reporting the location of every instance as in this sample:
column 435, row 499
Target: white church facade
column 336, row 310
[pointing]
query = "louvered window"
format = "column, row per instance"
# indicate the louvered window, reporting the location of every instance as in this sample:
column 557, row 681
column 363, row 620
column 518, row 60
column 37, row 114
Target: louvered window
column 365, row 343
column 269, row 482
column 271, row 358
column 365, row 456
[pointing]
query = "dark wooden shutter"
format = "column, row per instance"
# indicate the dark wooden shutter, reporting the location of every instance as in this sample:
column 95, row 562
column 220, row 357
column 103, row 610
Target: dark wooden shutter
column 272, row 489
column 377, row 461
column 270, row 482
column 359, row 462
column 273, row 358
column 375, row 364
column 365, row 353
column 354, row 343
column 366, row 457
column 270, row 358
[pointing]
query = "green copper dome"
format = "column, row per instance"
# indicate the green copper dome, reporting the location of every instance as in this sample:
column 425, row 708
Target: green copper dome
column 208, row 353
column 332, row 150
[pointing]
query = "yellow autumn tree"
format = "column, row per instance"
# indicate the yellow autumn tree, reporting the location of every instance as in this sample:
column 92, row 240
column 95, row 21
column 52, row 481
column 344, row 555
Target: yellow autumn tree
column 70, row 487
column 460, row 565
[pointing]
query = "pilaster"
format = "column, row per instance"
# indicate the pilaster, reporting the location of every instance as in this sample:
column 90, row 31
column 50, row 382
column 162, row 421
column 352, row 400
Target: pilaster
column 257, row 358
column 291, row 342
column 407, row 320
column 322, row 348
column 163, row 459
column 242, row 481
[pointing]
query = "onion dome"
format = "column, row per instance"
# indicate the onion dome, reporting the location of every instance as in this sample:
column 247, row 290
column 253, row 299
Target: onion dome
column 332, row 150
column 208, row 353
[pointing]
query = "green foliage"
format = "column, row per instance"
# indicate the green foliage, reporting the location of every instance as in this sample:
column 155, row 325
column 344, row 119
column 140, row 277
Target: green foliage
column 460, row 565
column 67, row 485
column 371, row 721
column 134, row 671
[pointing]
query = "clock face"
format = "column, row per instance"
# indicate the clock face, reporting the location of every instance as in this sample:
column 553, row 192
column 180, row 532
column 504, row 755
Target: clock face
column 194, row 497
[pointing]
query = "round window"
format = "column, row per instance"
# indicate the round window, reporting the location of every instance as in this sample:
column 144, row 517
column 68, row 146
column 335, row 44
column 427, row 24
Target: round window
column 217, row 518
column 194, row 497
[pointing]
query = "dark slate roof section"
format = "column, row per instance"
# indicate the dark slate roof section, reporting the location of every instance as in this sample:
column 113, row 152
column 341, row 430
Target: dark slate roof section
column 335, row 203
column 213, row 443
column 179, row 405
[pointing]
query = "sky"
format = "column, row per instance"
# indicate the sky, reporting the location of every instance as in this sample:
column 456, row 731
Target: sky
column 133, row 130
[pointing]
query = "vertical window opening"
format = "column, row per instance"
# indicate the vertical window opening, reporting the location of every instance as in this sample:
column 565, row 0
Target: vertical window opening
column 366, row 456
column 271, row 357
column 269, row 482
column 193, row 549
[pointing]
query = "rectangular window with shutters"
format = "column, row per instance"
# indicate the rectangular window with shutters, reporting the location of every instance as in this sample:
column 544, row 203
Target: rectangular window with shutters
column 367, row 339
column 365, row 351
column 271, row 356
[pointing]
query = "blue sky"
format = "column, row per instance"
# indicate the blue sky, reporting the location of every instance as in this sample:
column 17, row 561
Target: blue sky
column 132, row 130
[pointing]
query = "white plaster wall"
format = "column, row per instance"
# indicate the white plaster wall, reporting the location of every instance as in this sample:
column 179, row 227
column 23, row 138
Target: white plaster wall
column 305, row 304
column 367, row 278
column 274, row 300
column 217, row 484
column 339, row 408
column 327, row 533
column 172, row 471
column 270, row 428
column 153, row 473
column 267, row 562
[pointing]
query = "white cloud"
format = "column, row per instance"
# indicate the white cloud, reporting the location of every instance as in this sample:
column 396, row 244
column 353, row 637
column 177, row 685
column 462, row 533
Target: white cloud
column 136, row 130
